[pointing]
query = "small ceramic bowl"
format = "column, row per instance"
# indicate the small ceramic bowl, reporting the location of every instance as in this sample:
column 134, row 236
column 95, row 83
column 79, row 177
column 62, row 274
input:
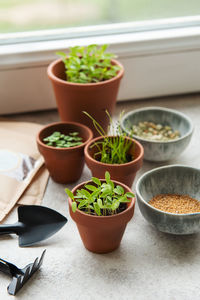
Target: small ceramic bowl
column 172, row 179
column 156, row 150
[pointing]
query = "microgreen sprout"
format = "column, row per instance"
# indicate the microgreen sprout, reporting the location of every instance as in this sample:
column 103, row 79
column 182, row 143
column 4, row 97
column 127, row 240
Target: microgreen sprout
column 88, row 64
column 100, row 198
column 115, row 149
column 59, row 140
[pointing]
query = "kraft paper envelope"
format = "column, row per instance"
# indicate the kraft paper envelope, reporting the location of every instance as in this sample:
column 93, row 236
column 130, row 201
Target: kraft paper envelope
column 22, row 177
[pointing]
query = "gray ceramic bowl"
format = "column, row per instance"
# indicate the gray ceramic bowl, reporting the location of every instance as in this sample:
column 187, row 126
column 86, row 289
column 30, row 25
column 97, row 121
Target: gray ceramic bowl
column 155, row 150
column 172, row 179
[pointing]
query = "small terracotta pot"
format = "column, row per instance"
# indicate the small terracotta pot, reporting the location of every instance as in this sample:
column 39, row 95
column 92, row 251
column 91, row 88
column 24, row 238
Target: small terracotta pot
column 74, row 98
column 65, row 165
column 102, row 234
column 124, row 173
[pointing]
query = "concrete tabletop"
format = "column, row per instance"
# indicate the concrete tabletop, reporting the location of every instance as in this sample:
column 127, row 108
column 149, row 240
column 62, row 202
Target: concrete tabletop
column 148, row 265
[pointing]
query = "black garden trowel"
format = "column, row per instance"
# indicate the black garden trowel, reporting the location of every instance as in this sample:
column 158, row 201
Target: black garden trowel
column 35, row 224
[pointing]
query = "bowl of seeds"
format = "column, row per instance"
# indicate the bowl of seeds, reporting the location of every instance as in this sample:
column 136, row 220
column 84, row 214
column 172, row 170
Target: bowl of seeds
column 164, row 133
column 169, row 198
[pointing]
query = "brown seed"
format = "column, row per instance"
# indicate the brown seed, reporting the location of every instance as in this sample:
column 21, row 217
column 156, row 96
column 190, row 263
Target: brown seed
column 177, row 204
column 152, row 131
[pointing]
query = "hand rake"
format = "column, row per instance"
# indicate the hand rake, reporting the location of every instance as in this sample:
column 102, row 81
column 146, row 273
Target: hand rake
column 20, row 276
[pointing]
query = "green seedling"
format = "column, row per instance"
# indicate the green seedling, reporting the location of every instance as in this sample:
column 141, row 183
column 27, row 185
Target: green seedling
column 112, row 150
column 100, row 198
column 89, row 64
column 59, row 140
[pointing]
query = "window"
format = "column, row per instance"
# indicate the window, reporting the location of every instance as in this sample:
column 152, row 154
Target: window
column 158, row 41
column 23, row 15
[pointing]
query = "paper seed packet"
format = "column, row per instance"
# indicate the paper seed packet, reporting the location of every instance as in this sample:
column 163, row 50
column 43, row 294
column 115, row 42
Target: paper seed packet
column 20, row 162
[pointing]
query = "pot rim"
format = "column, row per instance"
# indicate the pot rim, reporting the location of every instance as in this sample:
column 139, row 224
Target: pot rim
column 63, row 123
column 134, row 161
column 61, row 81
column 131, row 205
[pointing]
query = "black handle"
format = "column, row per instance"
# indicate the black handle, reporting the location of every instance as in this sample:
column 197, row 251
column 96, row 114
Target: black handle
column 16, row 228
column 5, row 267
column 10, row 269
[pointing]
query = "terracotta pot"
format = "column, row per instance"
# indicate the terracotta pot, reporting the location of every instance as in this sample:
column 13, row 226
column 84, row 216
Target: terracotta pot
column 102, row 234
column 74, row 98
column 65, row 165
column 124, row 173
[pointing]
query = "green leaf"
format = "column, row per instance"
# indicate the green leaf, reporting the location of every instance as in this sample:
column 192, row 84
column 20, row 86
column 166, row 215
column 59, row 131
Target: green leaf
column 100, row 203
column 119, row 190
column 91, row 200
column 78, row 198
column 74, row 206
column 62, row 54
column 104, row 47
column 74, row 133
column 111, row 183
column 88, row 64
column 109, row 199
column 82, row 204
column 105, row 194
column 96, row 180
column 95, row 194
column 59, row 140
column 130, row 195
column 97, row 209
column 107, row 176
column 69, row 193
column 113, row 150
column 85, row 193
column 90, row 187
column 106, row 190
column 115, row 205
column 79, row 194
column 122, row 199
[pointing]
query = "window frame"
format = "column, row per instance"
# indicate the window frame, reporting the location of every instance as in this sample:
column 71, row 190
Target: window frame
column 98, row 30
column 145, row 49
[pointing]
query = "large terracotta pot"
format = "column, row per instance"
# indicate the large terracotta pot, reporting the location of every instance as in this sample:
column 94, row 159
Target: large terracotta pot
column 102, row 234
column 65, row 165
column 74, row 98
column 124, row 173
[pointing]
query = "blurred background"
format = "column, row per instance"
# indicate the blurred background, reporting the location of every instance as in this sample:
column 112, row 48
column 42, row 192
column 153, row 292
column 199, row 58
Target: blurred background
column 25, row 15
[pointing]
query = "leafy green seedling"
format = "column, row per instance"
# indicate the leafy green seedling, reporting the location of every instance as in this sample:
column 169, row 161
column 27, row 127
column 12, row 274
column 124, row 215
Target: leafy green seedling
column 59, row 140
column 89, row 64
column 112, row 150
column 100, row 198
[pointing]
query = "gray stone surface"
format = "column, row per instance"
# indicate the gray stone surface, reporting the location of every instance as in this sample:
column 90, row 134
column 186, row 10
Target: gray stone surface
column 148, row 265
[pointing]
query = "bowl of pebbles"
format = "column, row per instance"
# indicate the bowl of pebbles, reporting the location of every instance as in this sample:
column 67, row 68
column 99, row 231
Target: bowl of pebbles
column 169, row 198
column 163, row 132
